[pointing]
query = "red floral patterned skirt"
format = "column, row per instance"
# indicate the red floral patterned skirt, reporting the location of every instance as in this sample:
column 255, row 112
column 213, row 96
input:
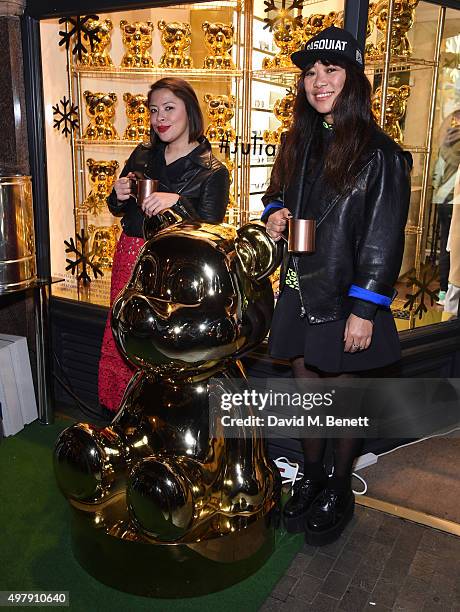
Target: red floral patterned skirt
column 114, row 370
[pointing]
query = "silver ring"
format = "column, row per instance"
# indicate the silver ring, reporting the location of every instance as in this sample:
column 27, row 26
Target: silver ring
column 356, row 346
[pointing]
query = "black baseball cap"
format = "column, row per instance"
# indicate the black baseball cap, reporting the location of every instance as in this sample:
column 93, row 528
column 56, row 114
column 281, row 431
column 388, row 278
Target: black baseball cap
column 330, row 44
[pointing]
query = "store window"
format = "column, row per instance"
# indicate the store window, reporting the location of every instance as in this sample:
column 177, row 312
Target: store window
column 415, row 87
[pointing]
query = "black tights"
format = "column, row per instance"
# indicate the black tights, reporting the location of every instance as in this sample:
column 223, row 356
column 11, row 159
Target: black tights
column 345, row 450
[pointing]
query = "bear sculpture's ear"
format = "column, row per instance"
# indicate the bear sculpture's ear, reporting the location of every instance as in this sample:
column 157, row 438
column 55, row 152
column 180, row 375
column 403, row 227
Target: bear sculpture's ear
column 259, row 255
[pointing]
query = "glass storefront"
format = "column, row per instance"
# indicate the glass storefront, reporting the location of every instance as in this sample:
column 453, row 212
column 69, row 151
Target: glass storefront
column 247, row 95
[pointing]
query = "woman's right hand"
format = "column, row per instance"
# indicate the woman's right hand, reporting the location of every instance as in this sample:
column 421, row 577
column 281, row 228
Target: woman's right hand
column 277, row 222
column 122, row 187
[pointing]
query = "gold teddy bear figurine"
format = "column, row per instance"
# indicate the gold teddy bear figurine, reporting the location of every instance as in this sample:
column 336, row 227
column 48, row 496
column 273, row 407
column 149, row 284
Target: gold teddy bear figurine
column 102, row 175
column 176, row 38
column 403, row 19
column 395, row 109
column 98, row 55
column 219, row 40
column 137, row 40
column 283, row 111
column 101, row 111
column 103, row 244
column 220, row 109
column 287, row 35
column 138, row 114
column 314, row 24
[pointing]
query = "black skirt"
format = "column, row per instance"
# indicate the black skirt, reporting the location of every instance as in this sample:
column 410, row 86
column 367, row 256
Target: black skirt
column 322, row 344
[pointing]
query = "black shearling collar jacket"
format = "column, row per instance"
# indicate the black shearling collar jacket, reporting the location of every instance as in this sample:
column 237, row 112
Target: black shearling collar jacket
column 203, row 187
column 359, row 235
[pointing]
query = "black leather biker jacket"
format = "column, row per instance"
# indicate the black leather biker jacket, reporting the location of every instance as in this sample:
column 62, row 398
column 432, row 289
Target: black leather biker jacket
column 203, row 187
column 359, row 236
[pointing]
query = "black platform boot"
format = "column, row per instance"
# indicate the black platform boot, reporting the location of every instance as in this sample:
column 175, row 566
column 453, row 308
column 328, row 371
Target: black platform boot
column 296, row 509
column 329, row 515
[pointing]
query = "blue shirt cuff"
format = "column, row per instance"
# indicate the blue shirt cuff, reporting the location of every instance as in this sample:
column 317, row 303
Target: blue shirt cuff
column 271, row 205
column 369, row 296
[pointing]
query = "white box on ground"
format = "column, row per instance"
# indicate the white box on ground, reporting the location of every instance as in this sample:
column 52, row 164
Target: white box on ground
column 9, row 395
column 19, row 352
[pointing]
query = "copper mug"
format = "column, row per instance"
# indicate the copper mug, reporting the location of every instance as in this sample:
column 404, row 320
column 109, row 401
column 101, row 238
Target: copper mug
column 143, row 188
column 301, row 235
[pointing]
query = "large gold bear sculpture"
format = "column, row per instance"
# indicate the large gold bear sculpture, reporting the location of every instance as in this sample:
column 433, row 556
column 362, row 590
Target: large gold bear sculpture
column 162, row 506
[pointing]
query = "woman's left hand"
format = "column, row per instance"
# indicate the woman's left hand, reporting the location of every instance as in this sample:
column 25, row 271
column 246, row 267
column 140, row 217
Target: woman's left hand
column 158, row 201
column 358, row 334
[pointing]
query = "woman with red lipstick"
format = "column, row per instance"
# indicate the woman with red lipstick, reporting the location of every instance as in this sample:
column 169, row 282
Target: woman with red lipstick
column 192, row 182
column 333, row 316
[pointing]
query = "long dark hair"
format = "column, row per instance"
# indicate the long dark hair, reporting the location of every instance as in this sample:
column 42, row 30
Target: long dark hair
column 353, row 123
column 186, row 93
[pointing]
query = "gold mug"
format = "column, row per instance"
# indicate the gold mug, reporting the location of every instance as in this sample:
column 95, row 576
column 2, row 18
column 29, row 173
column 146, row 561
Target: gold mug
column 143, row 188
column 301, row 235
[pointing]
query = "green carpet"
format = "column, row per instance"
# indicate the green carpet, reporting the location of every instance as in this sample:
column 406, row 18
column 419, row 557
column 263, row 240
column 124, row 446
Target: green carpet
column 35, row 548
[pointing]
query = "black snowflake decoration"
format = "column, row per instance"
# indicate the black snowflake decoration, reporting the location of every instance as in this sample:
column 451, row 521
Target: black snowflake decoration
column 282, row 13
column 79, row 29
column 428, row 275
column 68, row 117
column 83, row 257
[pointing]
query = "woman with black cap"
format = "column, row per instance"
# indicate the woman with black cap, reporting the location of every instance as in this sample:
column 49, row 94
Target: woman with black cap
column 333, row 316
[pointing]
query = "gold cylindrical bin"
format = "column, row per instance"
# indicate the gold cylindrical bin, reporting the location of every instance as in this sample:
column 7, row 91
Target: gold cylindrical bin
column 17, row 242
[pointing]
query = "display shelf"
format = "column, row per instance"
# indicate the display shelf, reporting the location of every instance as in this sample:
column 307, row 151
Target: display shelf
column 191, row 74
column 210, row 5
column 81, row 142
column 397, row 63
column 414, row 148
